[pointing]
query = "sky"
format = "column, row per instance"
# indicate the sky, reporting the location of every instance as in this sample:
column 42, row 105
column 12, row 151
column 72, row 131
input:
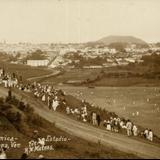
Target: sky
column 74, row 21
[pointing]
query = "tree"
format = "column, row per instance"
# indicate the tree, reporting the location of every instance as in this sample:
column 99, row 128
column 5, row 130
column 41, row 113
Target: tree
column 37, row 55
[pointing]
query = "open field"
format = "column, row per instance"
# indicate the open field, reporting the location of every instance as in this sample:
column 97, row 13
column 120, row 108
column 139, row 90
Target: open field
column 125, row 101
column 107, row 77
column 76, row 75
column 125, row 82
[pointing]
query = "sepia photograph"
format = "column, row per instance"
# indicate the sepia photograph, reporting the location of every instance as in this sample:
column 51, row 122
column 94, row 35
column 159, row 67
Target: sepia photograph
column 79, row 79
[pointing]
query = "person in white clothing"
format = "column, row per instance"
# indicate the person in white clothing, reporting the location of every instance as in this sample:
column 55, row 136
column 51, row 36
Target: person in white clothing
column 94, row 118
column 150, row 135
column 146, row 132
column 129, row 128
column 55, row 104
column 108, row 127
column 135, row 130
column 44, row 98
column 67, row 110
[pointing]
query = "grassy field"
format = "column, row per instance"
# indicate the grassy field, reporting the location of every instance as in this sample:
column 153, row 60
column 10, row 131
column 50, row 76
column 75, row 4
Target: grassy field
column 124, row 101
column 22, row 129
column 74, row 75
column 126, row 82
column 82, row 75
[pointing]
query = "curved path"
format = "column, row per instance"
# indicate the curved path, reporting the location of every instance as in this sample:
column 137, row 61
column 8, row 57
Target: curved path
column 88, row 132
column 44, row 76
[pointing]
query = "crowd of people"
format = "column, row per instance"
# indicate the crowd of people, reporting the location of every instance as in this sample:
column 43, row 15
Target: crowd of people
column 55, row 99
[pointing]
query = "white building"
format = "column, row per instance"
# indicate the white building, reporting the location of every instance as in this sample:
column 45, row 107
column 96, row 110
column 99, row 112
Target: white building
column 37, row 63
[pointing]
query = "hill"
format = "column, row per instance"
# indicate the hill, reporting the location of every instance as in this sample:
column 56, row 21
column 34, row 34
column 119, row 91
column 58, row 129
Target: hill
column 121, row 39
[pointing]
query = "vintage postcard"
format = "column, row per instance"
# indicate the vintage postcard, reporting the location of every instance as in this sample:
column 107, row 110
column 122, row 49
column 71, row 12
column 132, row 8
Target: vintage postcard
column 79, row 79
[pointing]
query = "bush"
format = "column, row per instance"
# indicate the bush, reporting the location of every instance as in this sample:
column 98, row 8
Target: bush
column 12, row 100
column 29, row 109
column 21, row 106
column 4, row 107
column 1, row 100
column 13, row 117
column 35, row 119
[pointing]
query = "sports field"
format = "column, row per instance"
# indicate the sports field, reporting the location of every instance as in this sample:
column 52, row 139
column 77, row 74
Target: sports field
column 140, row 104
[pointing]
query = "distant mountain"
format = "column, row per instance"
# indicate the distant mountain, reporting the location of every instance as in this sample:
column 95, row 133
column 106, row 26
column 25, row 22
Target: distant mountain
column 121, row 39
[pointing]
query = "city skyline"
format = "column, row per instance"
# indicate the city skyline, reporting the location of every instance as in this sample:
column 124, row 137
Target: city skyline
column 68, row 21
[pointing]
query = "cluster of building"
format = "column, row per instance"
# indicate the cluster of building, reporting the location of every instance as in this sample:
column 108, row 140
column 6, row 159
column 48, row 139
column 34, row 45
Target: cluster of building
column 56, row 53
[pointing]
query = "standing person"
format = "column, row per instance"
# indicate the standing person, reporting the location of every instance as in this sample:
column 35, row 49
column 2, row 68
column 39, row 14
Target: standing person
column 13, row 75
column 67, row 110
column 129, row 128
column 112, row 123
column 98, row 119
column 3, row 72
column 10, row 93
column 5, row 81
column 135, row 130
column 55, row 104
column 116, row 125
column 94, row 118
column 146, row 132
column 50, row 103
column 48, row 99
column 3, row 153
column 108, row 127
column 150, row 135
column 43, row 97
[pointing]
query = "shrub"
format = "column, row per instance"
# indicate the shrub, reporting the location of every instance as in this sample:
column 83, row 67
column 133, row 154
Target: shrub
column 14, row 117
column 1, row 100
column 29, row 109
column 21, row 106
column 35, row 119
column 4, row 107
column 12, row 100
column 11, row 116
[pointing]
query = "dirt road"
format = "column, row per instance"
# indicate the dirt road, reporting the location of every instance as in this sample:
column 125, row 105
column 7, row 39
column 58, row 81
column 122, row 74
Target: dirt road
column 44, row 76
column 87, row 132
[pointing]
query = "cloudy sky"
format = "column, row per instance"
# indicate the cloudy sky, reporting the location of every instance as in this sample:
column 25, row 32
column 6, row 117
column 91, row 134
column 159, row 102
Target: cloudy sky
column 78, row 20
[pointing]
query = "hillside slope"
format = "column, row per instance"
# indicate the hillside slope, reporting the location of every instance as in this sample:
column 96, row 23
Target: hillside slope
column 19, row 120
column 121, row 39
column 93, row 134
